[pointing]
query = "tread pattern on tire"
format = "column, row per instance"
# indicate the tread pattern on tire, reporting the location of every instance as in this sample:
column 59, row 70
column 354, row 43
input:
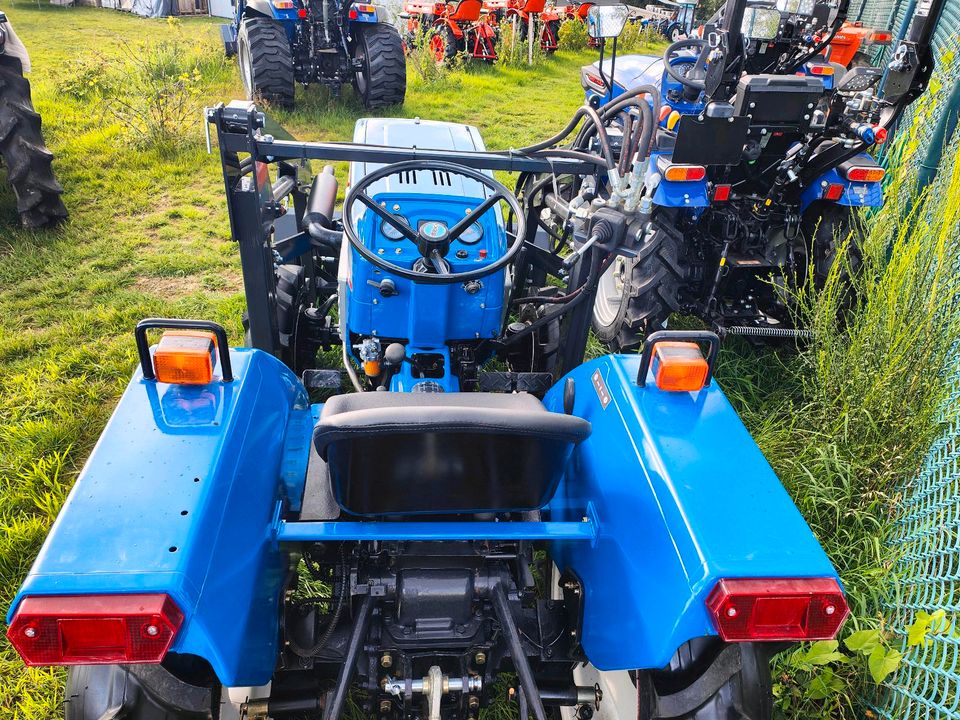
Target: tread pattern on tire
column 271, row 59
column 22, row 150
column 387, row 66
column 652, row 285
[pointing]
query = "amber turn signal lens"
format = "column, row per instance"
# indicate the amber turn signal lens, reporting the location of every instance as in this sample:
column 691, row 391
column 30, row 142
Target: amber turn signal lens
column 185, row 357
column 684, row 173
column 866, row 174
column 679, row 366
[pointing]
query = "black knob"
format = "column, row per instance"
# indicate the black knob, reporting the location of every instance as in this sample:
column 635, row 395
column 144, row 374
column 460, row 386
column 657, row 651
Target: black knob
column 388, row 288
column 394, row 354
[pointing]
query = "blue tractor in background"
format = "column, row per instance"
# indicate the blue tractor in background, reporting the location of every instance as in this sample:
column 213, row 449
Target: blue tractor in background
column 279, row 43
column 759, row 156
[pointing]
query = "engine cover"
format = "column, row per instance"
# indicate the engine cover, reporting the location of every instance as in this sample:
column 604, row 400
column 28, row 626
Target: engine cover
column 422, row 316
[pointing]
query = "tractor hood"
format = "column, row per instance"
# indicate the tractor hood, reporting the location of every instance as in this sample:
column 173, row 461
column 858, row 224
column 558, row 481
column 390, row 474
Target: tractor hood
column 428, row 134
column 631, row 70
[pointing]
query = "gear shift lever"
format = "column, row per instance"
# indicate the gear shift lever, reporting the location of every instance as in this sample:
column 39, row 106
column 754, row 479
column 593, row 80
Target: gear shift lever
column 393, row 358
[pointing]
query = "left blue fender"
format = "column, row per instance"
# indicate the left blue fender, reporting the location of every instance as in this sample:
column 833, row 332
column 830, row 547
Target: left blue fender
column 179, row 497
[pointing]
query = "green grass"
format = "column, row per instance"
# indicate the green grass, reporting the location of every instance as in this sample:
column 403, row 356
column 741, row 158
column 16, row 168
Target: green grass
column 148, row 236
column 842, row 422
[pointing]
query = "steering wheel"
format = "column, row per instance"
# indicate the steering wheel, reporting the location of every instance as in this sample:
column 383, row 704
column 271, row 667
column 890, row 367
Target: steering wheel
column 432, row 238
column 695, row 79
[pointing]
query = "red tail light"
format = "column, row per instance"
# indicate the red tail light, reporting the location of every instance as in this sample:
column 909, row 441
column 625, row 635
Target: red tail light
column 721, row 193
column 777, row 609
column 866, row 173
column 881, row 37
column 94, row 629
column 834, row 191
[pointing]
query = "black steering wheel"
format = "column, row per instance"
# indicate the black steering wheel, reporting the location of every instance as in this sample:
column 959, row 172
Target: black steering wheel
column 432, row 238
column 695, row 79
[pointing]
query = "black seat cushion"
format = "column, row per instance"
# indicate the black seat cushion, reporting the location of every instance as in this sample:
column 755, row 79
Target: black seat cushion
column 410, row 453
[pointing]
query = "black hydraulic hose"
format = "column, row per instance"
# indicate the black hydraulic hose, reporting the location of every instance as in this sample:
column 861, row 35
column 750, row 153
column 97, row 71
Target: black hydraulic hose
column 360, row 625
column 816, row 50
column 519, row 657
column 551, row 141
column 573, row 155
column 595, row 270
column 650, row 114
column 627, row 144
column 340, row 591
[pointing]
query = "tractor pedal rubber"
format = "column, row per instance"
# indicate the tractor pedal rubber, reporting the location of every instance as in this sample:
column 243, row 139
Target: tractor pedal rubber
column 322, row 379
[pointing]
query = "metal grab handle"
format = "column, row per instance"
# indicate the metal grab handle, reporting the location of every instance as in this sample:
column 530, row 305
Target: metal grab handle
column 143, row 346
column 697, row 336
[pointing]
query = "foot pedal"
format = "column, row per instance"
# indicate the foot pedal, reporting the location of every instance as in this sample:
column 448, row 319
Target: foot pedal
column 535, row 383
column 322, row 379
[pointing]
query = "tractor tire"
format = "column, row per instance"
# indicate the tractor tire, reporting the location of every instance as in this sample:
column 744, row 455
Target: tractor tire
column 739, row 672
column 22, row 152
column 266, row 61
column 444, row 44
column 635, row 297
column 382, row 79
column 826, row 227
column 135, row 692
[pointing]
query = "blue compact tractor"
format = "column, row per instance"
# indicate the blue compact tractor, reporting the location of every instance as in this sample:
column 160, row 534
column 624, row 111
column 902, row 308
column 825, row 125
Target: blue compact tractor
column 752, row 168
column 283, row 42
column 482, row 517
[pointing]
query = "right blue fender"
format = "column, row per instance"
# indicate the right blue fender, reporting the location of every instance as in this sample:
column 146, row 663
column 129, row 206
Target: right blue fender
column 682, row 497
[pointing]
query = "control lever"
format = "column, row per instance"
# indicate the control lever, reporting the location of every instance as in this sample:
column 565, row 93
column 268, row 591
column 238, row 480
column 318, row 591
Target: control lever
column 393, row 358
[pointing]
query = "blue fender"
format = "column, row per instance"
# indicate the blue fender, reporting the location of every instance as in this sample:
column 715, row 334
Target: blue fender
column 855, row 194
column 682, row 497
column 179, row 497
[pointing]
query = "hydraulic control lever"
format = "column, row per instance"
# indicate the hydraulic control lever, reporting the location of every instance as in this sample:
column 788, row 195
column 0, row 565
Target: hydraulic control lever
column 393, row 358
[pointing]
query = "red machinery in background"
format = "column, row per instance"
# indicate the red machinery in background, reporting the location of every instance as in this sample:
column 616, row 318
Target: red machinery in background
column 851, row 45
column 451, row 28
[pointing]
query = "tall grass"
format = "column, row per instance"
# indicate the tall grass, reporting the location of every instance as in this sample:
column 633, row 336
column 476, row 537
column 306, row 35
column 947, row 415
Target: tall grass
column 847, row 420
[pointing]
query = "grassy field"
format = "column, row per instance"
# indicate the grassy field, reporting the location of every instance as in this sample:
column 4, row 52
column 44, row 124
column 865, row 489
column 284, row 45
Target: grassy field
column 842, row 422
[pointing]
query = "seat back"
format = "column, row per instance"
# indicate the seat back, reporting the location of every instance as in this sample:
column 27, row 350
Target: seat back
column 467, row 11
column 444, row 453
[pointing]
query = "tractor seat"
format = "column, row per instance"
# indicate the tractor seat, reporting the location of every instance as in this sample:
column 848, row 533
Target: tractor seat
column 467, row 11
column 391, row 453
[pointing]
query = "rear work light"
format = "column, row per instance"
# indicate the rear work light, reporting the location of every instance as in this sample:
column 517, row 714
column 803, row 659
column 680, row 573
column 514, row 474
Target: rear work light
column 185, row 357
column 869, row 173
column 94, row 629
column 684, row 173
column 777, row 609
column 679, row 366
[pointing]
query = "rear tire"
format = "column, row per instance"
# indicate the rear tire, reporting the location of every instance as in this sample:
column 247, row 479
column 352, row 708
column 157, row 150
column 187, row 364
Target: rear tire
column 746, row 694
column 266, row 61
column 104, row 691
column 382, row 81
column 23, row 153
column 635, row 297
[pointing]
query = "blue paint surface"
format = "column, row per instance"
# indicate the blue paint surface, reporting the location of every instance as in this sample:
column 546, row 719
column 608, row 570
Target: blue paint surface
column 682, row 498
column 178, row 497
